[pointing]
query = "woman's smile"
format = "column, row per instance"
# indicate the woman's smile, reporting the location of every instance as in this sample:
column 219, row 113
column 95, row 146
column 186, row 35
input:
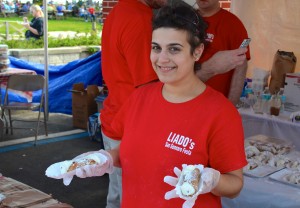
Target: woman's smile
column 165, row 69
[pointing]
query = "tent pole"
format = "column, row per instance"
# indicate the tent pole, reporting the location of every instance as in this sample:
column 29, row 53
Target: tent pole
column 46, row 62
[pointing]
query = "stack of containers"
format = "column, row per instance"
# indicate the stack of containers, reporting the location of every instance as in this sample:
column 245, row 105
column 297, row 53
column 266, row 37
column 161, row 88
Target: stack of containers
column 4, row 61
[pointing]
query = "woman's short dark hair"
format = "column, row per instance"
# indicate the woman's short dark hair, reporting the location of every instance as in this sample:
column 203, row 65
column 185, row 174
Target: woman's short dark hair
column 181, row 16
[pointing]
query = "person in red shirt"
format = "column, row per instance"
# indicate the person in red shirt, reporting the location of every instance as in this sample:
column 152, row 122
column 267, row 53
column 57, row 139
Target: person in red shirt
column 91, row 11
column 178, row 120
column 225, row 32
column 126, row 39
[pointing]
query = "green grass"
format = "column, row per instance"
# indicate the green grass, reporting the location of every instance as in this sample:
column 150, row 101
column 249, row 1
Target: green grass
column 70, row 24
column 75, row 24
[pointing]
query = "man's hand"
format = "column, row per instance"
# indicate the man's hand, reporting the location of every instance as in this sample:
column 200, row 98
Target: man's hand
column 222, row 62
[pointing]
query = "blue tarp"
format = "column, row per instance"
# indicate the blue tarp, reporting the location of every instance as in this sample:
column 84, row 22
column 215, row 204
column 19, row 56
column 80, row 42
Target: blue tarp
column 62, row 78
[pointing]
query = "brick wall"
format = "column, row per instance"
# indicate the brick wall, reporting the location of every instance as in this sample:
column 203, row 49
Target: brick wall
column 225, row 4
column 107, row 5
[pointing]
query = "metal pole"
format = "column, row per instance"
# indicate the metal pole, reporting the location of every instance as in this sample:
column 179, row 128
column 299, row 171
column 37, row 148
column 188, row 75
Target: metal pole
column 6, row 30
column 46, row 62
column 94, row 26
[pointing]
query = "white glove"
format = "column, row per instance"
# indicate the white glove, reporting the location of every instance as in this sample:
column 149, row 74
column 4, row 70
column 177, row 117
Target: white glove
column 209, row 180
column 59, row 170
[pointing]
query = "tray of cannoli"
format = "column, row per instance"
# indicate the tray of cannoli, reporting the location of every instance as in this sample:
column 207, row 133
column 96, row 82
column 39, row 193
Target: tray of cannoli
column 287, row 176
column 265, row 143
column 266, row 155
column 260, row 171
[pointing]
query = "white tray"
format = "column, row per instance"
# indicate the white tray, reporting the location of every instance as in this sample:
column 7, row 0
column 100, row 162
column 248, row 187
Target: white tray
column 261, row 171
column 266, row 139
column 279, row 177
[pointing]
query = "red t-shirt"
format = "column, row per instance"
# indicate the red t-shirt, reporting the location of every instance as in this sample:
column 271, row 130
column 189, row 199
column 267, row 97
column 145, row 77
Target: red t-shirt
column 158, row 135
column 91, row 10
column 225, row 32
column 126, row 46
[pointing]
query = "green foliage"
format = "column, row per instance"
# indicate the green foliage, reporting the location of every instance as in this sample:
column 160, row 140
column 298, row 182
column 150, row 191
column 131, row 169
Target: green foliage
column 92, row 50
column 89, row 39
column 75, row 24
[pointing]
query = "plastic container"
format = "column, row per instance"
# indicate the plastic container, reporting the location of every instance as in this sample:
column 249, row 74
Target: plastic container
column 266, row 96
column 275, row 104
column 258, row 105
column 282, row 98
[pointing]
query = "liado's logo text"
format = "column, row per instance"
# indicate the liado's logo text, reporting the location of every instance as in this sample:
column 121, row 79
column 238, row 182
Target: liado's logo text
column 180, row 143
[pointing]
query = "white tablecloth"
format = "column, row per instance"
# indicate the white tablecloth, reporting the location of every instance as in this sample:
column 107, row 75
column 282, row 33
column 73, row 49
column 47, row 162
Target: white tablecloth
column 263, row 192
column 274, row 126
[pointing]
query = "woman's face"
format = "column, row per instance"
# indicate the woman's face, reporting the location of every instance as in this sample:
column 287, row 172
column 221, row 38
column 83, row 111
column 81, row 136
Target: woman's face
column 171, row 56
column 33, row 11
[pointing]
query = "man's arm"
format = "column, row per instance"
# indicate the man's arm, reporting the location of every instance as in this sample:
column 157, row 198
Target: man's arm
column 237, row 82
column 222, row 62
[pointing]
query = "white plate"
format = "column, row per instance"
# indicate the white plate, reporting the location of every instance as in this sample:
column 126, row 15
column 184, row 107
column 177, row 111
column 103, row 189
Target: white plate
column 261, row 171
column 279, row 177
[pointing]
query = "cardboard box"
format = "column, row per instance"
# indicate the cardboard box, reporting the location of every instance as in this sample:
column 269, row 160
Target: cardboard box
column 292, row 92
column 83, row 104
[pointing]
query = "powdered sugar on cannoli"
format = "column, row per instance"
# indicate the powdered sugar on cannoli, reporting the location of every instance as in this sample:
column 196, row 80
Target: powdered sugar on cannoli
column 189, row 182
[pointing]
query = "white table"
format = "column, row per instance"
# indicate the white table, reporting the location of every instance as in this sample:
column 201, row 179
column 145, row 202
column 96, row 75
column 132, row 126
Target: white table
column 263, row 192
column 274, row 126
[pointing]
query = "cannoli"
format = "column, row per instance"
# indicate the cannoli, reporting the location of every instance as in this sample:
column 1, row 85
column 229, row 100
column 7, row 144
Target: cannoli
column 88, row 160
column 251, row 165
column 78, row 164
column 293, row 178
column 251, row 151
column 190, row 180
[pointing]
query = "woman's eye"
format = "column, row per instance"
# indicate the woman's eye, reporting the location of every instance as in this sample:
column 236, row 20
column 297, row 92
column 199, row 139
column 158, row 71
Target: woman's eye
column 174, row 49
column 156, row 48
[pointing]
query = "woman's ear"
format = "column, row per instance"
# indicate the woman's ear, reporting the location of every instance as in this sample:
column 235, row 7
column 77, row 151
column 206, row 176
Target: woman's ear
column 198, row 51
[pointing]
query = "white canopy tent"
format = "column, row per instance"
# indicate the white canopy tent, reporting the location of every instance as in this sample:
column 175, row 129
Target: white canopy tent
column 272, row 25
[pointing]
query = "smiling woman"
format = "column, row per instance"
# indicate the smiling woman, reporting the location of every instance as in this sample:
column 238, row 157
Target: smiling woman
column 179, row 104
